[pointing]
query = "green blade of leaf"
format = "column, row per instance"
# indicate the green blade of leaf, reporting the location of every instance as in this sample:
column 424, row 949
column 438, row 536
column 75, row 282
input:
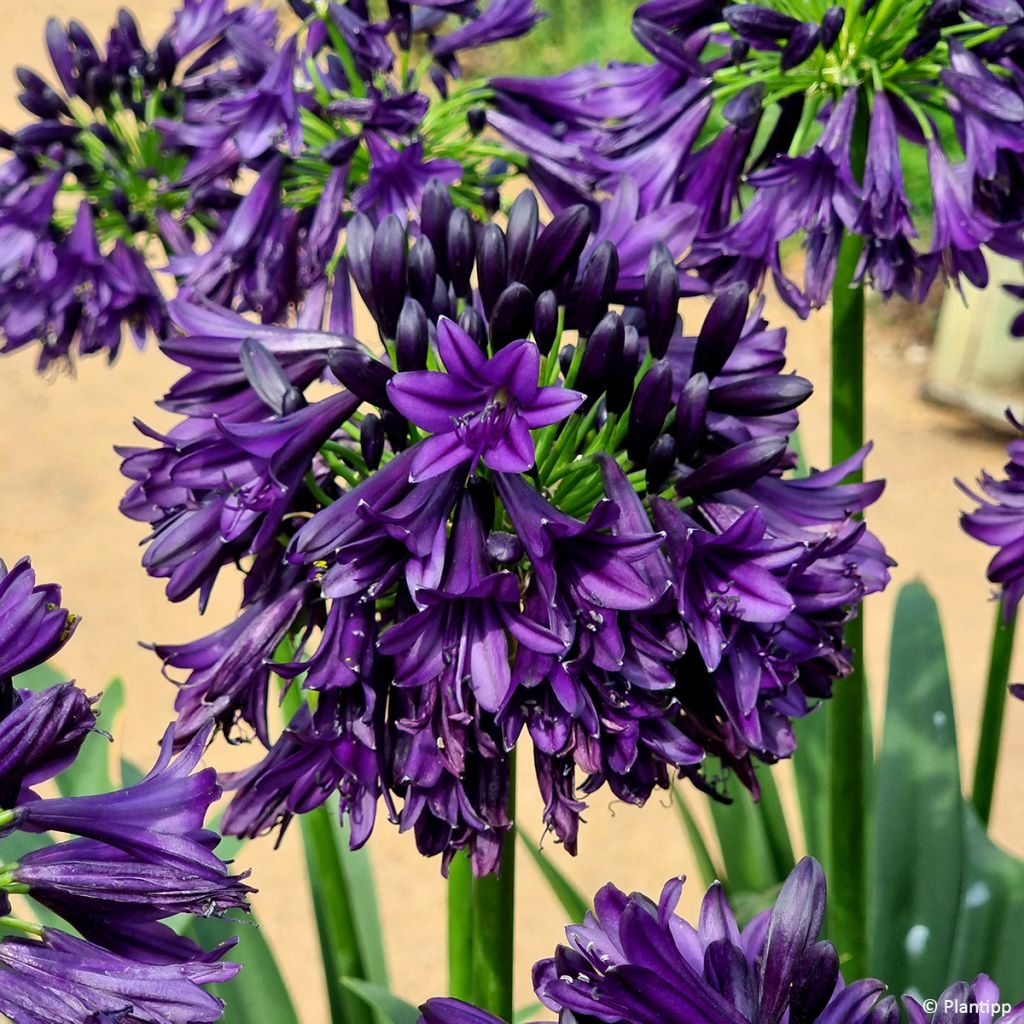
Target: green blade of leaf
column 709, row 873
column 810, row 766
column 746, row 852
column 389, row 1007
column 460, row 927
column 527, row 1013
column 362, row 889
column 919, row 844
column 259, row 992
column 572, row 900
column 775, row 828
column 991, row 910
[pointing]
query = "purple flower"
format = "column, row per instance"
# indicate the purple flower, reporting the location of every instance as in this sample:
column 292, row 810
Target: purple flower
column 479, row 409
column 502, row 19
column 40, row 735
column 33, row 626
column 267, row 112
column 963, row 1002
column 398, row 177
column 64, row 980
column 633, row 960
column 999, row 522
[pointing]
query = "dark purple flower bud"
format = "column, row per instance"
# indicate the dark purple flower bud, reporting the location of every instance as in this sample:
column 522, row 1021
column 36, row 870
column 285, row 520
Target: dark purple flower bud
column 744, row 109
column 559, row 246
column 371, row 440
column 435, row 212
column 597, row 283
column 396, row 430
column 97, row 86
column 661, row 305
column 690, row 425
column 302, row 9
column 801, row 45
column 476, row 118
column 739, row 49
column 339, row 152
column 79, row 35
column 359, row 240
column 565, row 357
column 761, row 396
column 44, row 133
column 651, row 405
column 887, row 1011
column 367, row 378
column 831, row 25
column 941, row 12
column 721, row 330
column 387, row 273
column 619, row 389
column 924, row 42
column 866, row 6
column 521, row 234
column 491, row 266
column 58, row 45
column 166, row 58
column 737, row 467
column 666, row 47
column 461, row 251
column 41, row 106
column 512, row 317
column 268, row 379
column 660, row 462
column 422, row 272
column 473, row 324
column 601, row 354
column 412, row 337
column 545, row 321
column 759, row 24
column 443, row 301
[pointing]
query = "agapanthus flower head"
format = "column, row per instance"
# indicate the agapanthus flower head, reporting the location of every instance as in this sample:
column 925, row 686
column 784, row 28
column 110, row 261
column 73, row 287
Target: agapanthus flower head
column 633, row 960
column 521, row 509
column 999, row 522
column 137, row 857
column 229, row 155
column 798, row 123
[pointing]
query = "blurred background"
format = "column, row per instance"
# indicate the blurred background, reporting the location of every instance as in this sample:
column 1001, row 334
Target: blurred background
column 60, row 485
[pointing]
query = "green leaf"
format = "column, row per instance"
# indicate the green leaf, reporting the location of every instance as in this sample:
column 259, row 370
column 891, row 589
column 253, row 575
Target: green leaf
column 775, row 827
column 742, row 838
column 42, row 677
column 572, row 900
column 810, row 766
column 91, row 771
column 358, row 873
column 259, row 992
column 527, row 1013
column 389, row 1007
column 709, row 873
column 919, row 840
column 130, row 773
column 991, row 910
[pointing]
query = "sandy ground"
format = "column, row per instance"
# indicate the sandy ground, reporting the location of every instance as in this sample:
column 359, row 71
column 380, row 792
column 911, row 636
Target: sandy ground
column 59, row 488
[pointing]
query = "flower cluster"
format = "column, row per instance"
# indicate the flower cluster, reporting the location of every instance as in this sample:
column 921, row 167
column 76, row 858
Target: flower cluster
column 230, row 154
column 804, row 121
column 486, row 528
column 139, row 855
column 634, row 961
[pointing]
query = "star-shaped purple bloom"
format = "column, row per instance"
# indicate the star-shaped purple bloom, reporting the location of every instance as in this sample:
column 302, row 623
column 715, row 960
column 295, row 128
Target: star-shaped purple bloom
column 481, row 409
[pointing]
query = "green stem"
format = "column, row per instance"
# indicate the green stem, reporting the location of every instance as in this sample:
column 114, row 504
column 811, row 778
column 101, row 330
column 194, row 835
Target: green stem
column 848, row 723
column 992, row 717
column 460, row 927
column 15, row 924
column 494, row 925
column 335, row 921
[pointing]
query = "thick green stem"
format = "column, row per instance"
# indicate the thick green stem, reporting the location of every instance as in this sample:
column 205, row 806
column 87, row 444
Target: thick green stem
column 992, row 717
column 460, row 927
column 494, row 926
column 847, row 714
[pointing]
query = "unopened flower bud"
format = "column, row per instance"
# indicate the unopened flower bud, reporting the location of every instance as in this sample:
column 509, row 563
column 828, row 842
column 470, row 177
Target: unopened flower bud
column 661, row 459
column 832, row 24
column 545, row 321
column 651, row 404
column 738, row 467
column 435, row 212
column 597, row 283
column 691, row 416
column 364, row 376
column 491, row 266
column 565, row 358
column 371, row 440
column 721, row 330
column 801, row 45
column 396, row 430
column 473, row 324
column 602, row 353
column 476, row 119
column 422, row 271
column 558, row 246
column 761, row 396
column 521, row 234
column 461, row 251
column 387, row 273
column 412, row 337
column 661, row 305
column 621, row 378
column 744, row 109
column 512, row 317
